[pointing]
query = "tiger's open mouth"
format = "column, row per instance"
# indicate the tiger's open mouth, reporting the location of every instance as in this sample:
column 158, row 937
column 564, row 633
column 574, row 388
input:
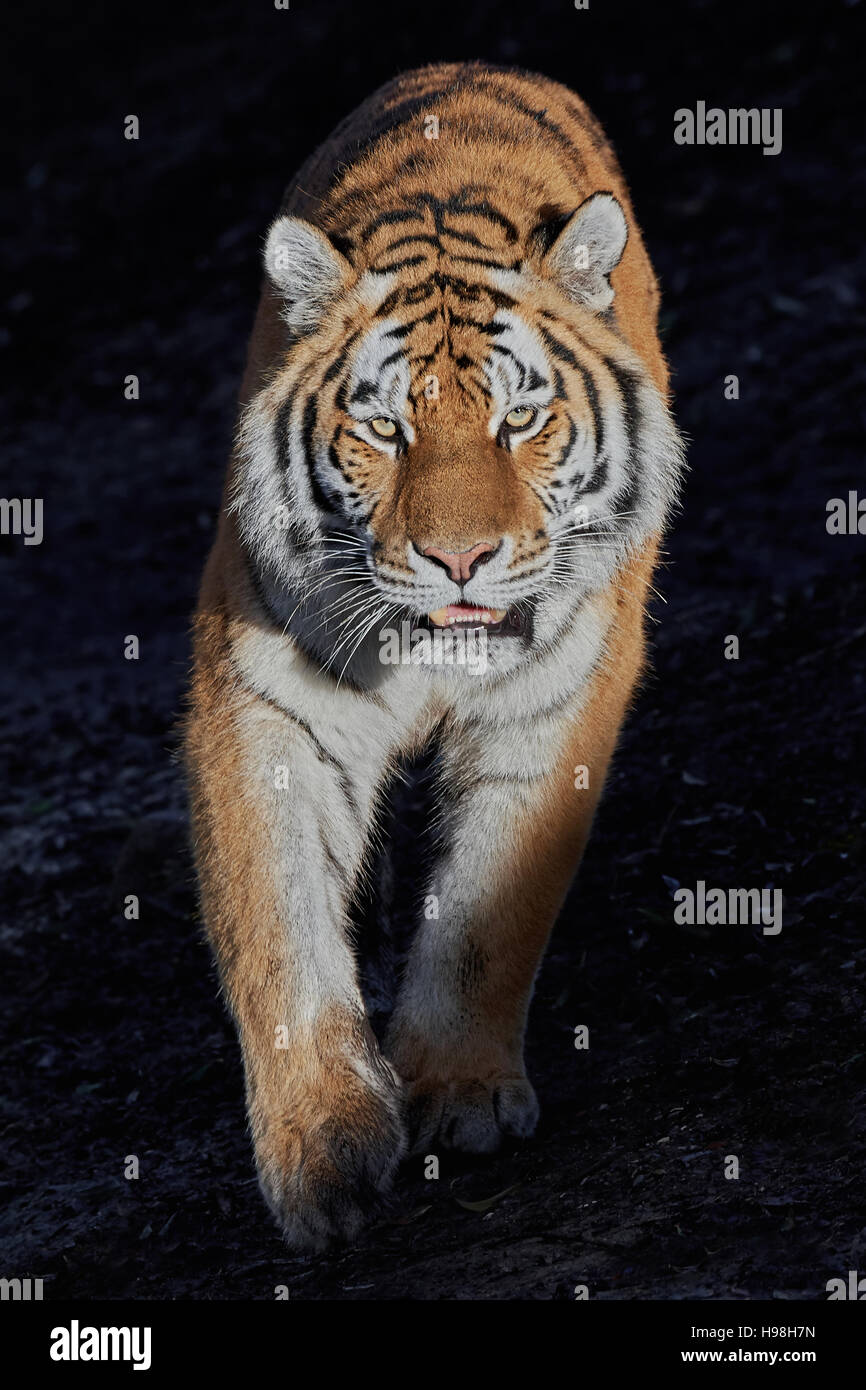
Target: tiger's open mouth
column 505, row 621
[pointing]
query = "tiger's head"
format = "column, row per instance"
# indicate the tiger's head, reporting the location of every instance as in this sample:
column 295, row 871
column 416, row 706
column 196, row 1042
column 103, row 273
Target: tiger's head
column 456, row 430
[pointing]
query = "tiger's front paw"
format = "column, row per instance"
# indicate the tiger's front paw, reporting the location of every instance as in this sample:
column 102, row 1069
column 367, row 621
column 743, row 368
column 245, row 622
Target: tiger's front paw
column 470, row 1114
column 327, row 1158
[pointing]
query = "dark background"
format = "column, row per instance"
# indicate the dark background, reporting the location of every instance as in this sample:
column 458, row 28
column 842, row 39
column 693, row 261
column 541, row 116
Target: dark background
column 143, row 258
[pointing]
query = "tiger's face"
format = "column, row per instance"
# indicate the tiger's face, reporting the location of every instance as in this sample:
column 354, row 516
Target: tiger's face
column 457, row 435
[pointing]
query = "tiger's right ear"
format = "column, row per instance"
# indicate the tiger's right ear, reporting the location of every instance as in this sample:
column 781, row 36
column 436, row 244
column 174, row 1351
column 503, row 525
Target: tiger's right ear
column 587, row 249
column 307, row 270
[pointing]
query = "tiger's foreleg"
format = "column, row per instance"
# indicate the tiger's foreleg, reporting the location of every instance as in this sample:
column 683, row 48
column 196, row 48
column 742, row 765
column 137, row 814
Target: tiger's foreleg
column 516, row 817
column 279, row 829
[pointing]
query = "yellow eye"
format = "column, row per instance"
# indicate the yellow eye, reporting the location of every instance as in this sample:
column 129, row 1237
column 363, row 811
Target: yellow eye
column 383, row 426
column 520, row 417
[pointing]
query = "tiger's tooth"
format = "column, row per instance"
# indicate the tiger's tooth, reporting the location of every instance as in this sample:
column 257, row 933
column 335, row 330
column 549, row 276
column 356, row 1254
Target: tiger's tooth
column 441, row 617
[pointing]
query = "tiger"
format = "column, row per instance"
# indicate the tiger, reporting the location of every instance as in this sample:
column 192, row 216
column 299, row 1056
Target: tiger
column 455, row 420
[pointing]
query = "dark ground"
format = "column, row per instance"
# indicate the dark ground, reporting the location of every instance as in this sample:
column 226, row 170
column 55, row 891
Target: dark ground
column 704, row 1041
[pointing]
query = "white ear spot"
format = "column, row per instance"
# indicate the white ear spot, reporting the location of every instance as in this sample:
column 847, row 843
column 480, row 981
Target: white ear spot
column 306, row 269
column 587, row 249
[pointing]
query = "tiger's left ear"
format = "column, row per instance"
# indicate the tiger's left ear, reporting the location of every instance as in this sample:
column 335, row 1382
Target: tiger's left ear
column 587, row 249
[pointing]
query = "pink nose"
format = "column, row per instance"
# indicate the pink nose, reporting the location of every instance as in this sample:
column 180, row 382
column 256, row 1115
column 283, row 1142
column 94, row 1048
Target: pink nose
column 459, row 563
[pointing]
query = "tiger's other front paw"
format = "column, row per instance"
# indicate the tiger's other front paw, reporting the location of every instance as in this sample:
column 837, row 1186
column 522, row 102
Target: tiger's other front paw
column 326, row 1158
column 473, row 1115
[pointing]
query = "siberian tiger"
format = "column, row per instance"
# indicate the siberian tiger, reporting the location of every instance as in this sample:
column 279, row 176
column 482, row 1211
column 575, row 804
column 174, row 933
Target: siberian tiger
column 454, row 417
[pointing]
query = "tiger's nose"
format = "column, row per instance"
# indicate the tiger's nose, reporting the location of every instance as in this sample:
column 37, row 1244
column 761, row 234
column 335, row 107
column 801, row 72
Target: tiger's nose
column 461, row 564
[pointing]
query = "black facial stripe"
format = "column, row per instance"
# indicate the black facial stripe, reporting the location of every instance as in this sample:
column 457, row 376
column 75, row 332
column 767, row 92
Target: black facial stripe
column 388, row 219
column 323, row 501
column 416, row 294
column 340, row 360
column 488, row 263
column 491, row 329
column 467, row 364
column 412, row 239
column 597, row 480
column 469, row 239
column 335, row 460
column 418, row 361
column 481, row 385
column 594, row 405
column 457, row 205
column 398, row 356
column 388, row 305
column 568, row 446
column 628, row 383
column 540, row 491
column 464, row 386
column 559, row 349
column 363, row 392
column 282, row 424
column 406, row 295
column 565, row 354
column 594, row 353
column 464, row 291
column 487, row 212
column 282, row 430
column 626, row 500
column 474, row 290
column 397, row 265
column 506, row 352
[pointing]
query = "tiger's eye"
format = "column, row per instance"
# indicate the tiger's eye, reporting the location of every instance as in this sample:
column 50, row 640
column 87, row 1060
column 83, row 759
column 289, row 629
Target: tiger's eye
column 384, row 427
column 520, row 417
